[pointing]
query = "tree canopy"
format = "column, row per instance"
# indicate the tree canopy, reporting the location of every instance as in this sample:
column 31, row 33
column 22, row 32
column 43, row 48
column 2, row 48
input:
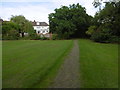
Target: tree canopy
column 10, row 30
column 73, row 22
column 17, row 24
column 69, row 21
column 107, row 22
column 24, row 24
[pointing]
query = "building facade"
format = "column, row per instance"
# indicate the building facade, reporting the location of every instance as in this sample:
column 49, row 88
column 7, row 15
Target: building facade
column 41, row 27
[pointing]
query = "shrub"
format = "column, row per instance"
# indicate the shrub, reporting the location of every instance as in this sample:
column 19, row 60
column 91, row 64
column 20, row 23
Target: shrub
column 44, row 38
column 11, row 35
column 91, row 30
column 100, row 37
column 114, row 39
column 34, row 36
column 54, row 37
column 25, row 38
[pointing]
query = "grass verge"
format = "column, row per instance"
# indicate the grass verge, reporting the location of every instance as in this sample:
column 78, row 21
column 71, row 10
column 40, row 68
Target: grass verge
column 32, row 64
column 98, row 64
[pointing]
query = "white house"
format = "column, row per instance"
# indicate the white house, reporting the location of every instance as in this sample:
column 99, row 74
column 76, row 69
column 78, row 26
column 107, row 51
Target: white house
column 41, row 27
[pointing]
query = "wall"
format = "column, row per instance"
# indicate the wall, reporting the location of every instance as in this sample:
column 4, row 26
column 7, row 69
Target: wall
column 41, row 29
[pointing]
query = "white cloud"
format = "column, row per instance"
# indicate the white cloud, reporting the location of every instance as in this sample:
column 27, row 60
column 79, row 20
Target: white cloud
column 25, row 0
column 31, row 12
column 40, row 11
column 85, row 3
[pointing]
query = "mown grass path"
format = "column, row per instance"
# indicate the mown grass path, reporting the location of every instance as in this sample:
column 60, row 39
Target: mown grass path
column 32, row 63
column 68, row 75
column 98, row 64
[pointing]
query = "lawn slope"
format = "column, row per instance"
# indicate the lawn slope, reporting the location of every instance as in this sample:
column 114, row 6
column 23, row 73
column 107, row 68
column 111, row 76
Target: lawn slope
column 98, row 64
column 32, row 64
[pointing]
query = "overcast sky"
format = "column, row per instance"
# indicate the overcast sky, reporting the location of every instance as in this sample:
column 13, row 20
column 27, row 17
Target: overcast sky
column 38, row 9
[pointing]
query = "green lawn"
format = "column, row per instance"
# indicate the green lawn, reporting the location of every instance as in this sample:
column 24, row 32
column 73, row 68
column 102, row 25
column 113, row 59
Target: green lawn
column 32, row 63
column 98, row 65
column 0, row 64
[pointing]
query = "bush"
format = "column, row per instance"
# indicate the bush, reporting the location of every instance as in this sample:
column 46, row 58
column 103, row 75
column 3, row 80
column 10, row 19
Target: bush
column 100, row 37
column 44, row 38
column 34, row 36
column 25, row 38
column 65, row 35
column 11, row 35
column 114, row 39
column 54, row 37
column 104, row 37
column 91, row 30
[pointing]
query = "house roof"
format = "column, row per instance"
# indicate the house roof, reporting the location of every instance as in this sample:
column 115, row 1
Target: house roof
column 34, row 23
column 6, row 21
column 1, row 20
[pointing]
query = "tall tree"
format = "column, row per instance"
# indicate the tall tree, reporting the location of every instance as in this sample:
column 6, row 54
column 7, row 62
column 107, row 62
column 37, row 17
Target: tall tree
column 24, row 24
column 107, row 22
column 69, row 21
column 10, row 30
column 97, row 3
column 28, row 27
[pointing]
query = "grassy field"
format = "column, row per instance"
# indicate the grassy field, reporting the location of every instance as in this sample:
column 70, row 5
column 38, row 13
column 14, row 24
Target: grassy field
column 98, row 65
column 33, row 64
column 0, row 64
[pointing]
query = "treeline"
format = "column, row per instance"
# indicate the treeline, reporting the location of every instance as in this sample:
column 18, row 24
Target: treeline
column 70, row 22
column 106, row 23
column 16, row 29
column 73, row 22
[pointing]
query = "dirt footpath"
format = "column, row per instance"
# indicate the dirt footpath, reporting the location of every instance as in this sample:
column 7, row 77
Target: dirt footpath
column 68, row 75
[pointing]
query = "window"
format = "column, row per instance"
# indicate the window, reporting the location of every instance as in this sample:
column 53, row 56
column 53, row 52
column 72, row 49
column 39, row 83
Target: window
column 38, row 31
column 38, row 23
column 38, row 27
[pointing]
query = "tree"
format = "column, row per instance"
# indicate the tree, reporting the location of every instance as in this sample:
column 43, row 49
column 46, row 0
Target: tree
column 24, row 24
column 69, row 21
column 60, row 23
column 91, row 30
column 18, row 24
column 97, row 3
column 107, row 22
column 28, row 27
column 10, row 30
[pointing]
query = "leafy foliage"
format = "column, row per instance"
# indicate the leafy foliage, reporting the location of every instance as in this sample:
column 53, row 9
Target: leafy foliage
column 18, row 24
column 24, row 24
column 107, row 23
column 91, row 30
column 69, row 21
column 10, row 31
column 54, row 37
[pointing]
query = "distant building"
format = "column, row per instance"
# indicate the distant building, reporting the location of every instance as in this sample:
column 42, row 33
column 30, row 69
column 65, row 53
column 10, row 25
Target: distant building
column 1, row 20
column 41, row 27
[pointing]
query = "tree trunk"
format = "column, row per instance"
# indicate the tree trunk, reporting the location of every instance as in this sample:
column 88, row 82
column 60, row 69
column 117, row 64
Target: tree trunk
column 22, row 34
